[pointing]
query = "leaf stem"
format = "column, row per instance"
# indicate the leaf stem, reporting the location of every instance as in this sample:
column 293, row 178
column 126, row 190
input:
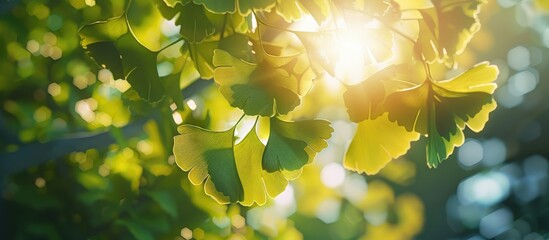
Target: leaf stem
column 171, row 44
column 240, row 119
column 222, row 35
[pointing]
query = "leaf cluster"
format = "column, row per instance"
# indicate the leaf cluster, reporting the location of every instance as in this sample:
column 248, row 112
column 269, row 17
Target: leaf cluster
column 265, row 67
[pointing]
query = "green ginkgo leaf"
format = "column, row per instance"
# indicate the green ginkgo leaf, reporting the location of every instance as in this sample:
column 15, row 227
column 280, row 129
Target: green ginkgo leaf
column 202, row 56
column 376, row 142
column 112, row 45
column 98, row 38
column 106, row 55
column 446, row 29
column 209, row 158
column 236, row 173
column 103, row 31
column 442, row 109
column 140, row 68
column 257, row 183
column 195, row 26
column 291, row 145
column 244, row 7
column 202, row 53
column 257, row 89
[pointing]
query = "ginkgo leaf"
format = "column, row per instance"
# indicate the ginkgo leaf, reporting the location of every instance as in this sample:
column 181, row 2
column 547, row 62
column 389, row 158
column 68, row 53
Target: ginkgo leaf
column 169, row 8
column 257, row 183
column 98, row 38
column 442, row 109
column 447, row 28
column 238, row 46
column 244, row 7
column 103, row 31
column 106, row 55
column 376, row 143
column 209, row 158
column 202, row 53
column 195, row 26
column 202, row 56
column 140, row 68
column 257, row 89
column 241, row 24
column 113, row 46
column 365, row 100
column 291, row 145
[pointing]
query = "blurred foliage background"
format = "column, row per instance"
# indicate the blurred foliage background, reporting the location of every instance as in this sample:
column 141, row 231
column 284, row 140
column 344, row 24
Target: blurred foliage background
column 82, row 156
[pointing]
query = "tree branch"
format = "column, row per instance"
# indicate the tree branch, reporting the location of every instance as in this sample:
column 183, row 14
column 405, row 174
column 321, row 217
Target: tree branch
column 37, row 153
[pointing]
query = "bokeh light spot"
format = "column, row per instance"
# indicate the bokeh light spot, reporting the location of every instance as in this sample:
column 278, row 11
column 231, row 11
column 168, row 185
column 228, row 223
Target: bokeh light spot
column 186, row 233
column 495, row 152
column 470, row 153
column 495, row 223
column 332, row 175
column 328, row 211
column 518, row 58
column 523, row 82
column 485, row 189
column 54, row 22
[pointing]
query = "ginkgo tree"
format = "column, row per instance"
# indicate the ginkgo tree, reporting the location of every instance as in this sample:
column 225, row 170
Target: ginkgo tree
column 265, row 56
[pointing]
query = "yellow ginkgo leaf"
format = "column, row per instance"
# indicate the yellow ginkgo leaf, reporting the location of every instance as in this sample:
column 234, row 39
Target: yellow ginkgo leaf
column 257, row 183
column 376, row 143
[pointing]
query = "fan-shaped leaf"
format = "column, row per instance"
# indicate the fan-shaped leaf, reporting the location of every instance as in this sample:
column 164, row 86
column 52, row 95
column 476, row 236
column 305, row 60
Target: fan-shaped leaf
column 202, row 53
column 291, row 145
column 195, row 26
column 365, row 100
column 208, row 156
column 99, row 39
column 258, row 184
column 112, row 46
column 376, row 143
column 236, row 173
column 140, row 68
column 258, row 89
column 443, row 109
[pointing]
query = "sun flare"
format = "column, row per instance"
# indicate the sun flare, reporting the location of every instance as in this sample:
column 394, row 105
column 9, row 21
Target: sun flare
column 357, row 50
